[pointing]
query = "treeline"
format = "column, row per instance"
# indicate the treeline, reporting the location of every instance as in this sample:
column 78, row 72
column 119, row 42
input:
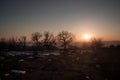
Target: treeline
column 39, row 41
column 48, row 41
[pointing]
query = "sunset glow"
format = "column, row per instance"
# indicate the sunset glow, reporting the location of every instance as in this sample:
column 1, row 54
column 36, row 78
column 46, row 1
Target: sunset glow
column 23, row 17
column 86, row 37
column 59, row 39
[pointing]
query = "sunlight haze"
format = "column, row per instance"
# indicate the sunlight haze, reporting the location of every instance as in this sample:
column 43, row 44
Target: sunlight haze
column 23, row 17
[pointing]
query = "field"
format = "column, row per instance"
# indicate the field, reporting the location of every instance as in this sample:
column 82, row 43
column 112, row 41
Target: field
column 56, row 65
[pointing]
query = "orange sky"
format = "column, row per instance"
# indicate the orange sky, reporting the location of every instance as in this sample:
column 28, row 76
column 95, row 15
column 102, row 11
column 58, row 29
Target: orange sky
column 98, row 18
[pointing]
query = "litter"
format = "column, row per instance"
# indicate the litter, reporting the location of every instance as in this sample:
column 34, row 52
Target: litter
column 18, row 71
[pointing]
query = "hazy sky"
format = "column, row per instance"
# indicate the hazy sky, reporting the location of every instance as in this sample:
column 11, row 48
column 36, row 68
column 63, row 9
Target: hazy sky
column 101, row 18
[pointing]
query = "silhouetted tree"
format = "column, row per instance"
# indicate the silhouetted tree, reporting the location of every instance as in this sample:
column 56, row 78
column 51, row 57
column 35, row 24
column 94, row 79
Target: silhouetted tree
column 118, row 46
column 112, row 46
column 96, row 44
column 3, row 43
column 36, row 37
column 65, row 38
column 49, row 41
column 12, row 43
column 22, row 41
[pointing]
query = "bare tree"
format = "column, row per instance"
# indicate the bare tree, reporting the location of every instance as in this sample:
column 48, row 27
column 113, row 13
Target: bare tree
column 35, row 37
column 22, row 41
column 12, row 43
column 96, row 44
column 49, row 40
column 3, row 43
column 65, row 38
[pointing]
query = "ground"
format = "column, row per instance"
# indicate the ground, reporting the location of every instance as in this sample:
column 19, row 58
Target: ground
column 77, row 66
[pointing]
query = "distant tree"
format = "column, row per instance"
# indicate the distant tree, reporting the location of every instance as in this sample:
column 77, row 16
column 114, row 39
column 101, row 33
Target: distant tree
column 118, row 46
column 36, row 37
column 65, row 38
column 96, row 44
column 12, row 43
column 3, row 43
column 112, row 46
column 49, row 41
column 22, row 41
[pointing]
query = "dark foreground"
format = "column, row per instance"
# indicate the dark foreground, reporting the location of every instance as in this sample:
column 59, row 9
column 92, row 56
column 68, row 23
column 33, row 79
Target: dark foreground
column 77, row 65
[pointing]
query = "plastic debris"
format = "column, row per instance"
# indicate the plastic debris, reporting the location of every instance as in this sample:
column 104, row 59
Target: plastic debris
column 18, row 71
column 21, row 60
column 7, row 74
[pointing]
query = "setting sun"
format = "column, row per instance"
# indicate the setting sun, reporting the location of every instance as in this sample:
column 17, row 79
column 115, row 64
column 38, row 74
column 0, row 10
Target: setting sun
column 86, row 37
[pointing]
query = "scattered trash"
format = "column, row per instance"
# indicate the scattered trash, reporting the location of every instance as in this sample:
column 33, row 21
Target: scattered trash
column 49, row 53
column 21, row 60
column 30, row 57
column 18, row 71
column 87, row 77
column 7, row 74
column 16, row 53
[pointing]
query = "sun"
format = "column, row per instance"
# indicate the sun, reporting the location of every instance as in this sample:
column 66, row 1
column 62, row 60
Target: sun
column 86, row 37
